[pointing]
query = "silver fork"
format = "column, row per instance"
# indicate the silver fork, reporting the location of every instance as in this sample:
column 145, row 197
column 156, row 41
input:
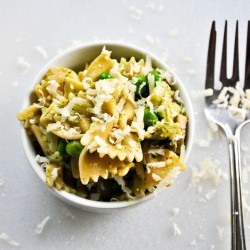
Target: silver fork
column 229, row 125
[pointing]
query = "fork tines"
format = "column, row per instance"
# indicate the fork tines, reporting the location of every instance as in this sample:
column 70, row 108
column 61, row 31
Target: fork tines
column 247, row 67
column 226, row 82
column 211, row 58
column 223, row 72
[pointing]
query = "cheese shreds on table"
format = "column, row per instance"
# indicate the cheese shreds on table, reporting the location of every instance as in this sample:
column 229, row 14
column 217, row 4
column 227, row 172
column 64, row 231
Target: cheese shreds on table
column 9, row 240
column 1, row 180
column 201, row 237
column 173, row 32
column 68, row 213
column 203, row 143
column 15, row 84
column 208, row 169
column 175, row 210
column 202, row 93
column 210, row 194
column 245, row 205
column 23, row 65
column 41, row 225
column 41, row 51
column 220, row 231
column 177, row 230
column 113, row 131
column 136, row 13
column 193, row 243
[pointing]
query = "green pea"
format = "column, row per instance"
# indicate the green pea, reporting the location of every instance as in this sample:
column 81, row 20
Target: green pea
column 156, row 75
column 74, row 148
column 61, row 147
column 105, row 75
column 150, row 118
column 141, row 83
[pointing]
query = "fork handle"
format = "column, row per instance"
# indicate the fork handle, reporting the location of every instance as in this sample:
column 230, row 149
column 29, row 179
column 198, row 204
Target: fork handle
column 237, row 223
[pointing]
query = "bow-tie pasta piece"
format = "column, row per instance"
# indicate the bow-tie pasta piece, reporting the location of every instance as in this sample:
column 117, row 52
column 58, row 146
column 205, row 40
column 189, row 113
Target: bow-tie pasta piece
column 107, row 140
column 91, row 166
column 161, row 170
column 102, row 63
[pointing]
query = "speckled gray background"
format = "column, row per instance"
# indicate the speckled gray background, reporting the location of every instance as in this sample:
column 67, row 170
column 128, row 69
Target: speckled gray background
column 178, row 32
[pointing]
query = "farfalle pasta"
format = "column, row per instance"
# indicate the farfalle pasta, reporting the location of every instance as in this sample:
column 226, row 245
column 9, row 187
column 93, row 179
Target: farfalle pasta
column 113, row 131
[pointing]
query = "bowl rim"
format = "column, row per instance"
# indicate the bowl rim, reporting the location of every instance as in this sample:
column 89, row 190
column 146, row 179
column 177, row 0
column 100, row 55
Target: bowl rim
column 73, row 199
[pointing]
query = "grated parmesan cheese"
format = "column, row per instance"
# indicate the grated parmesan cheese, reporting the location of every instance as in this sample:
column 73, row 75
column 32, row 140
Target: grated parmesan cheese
column 136, row 13
column 208, row 169
column 67, row 213
column 238, row 113
column 23, row 65
column 54, row 126
column 148, row 66
column 122, row 184
column 54, row 173
column 9, row 240
column 40, row 226
column 220, row 231
column 156, row 177
column 42, row 160
column 15, row 84
column 202, row 93
column 120, row 104
column 244, row 174
column 246, row 160
column 209, row 195
column 222, row 97
column 193, row 243
column 152, row 40
column 235, row 100
column 118, row 135
column 170, row 178
column 1, row 180
column 201, row 237
column 159, row 164
column 177, row 230
column 52, row 88
column 245, row 205
column 214, row 127
column 68, row 108
column 175, row 211
column 137, row 124
column 102, row 149
column 203, row 143
column 157, row 151
column 151, row 84
column 150, row 5
column 41, row 51
column 173, row 32
column 187, row 59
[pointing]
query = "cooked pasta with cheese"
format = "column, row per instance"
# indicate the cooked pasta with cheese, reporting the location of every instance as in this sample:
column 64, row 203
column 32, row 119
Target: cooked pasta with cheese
column 114, row 131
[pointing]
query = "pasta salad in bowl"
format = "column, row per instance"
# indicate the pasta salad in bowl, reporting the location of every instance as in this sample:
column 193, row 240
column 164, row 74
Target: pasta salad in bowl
column 107, row 126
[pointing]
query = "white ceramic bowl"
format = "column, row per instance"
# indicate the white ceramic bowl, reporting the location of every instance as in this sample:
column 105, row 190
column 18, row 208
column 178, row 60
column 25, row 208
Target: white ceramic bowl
column 72, row 59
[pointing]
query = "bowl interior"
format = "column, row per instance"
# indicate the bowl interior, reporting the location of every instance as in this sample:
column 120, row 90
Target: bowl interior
column 76, row 59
